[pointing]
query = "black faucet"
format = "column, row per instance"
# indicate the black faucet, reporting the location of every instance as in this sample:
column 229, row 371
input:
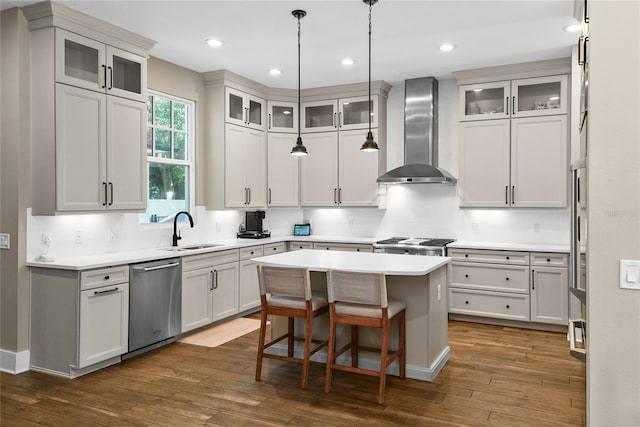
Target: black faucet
column 176, row 236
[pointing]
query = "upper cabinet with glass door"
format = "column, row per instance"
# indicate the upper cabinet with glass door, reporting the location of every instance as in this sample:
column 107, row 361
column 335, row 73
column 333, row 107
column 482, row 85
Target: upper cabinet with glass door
column 244, row 109
column 340, row 114
column 89, row 64
column 282, row 117
column 540, row 96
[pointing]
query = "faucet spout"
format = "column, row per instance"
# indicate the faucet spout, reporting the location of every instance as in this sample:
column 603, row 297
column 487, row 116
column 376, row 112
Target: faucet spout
column 176, row 236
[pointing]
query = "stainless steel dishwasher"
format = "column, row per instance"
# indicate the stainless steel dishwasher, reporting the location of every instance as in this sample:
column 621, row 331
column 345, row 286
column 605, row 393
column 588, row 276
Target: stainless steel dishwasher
column 155, row 298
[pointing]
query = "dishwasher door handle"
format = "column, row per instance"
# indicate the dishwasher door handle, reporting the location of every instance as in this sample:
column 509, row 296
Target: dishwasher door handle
column 158, row 267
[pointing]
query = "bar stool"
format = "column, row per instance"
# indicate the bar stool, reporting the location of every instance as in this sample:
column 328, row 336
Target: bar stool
column 360, row 299
column 287, row 292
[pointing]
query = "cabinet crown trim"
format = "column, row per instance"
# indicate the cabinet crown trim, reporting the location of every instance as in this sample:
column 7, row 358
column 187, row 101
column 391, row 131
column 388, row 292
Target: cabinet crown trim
column 548, row 67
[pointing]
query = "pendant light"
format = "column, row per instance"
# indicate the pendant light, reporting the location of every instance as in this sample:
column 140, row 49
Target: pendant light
column 299, row 149
column 370, row 144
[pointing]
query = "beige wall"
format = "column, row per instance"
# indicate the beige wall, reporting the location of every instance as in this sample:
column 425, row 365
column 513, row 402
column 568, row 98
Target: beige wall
column 15, row 181
column 613, row 316
column 174, row 80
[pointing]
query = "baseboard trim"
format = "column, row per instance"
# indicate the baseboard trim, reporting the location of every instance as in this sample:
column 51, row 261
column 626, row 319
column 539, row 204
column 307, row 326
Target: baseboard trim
column 14, row 363
column 370, row 361
column 549, row 327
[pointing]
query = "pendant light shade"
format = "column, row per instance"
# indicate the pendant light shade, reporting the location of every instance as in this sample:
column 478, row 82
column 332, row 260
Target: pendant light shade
column 370, row 145
column 299, row 149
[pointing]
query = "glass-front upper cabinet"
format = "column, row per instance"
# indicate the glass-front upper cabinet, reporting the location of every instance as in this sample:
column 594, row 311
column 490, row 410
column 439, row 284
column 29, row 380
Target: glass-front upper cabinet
column 540, row 96
column 86, row 63
column 244, row 109
column 319, row 116
column 353, row 113
column 282, row 116
column 485, row 101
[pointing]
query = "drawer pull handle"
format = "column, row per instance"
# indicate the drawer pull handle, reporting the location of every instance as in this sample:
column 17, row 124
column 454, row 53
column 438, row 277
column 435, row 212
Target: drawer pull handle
column 466, row 302
column 466, row 255
column 508, row 306
column 106, row 277
column 466, row 275
column 108, row 291
column 358, row 250
column 507, row 257
column 251, row 252
column 548, row 259
column 507, row 279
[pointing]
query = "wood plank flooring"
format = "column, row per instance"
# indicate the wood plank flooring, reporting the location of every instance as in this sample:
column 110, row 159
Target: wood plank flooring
column 496, row 376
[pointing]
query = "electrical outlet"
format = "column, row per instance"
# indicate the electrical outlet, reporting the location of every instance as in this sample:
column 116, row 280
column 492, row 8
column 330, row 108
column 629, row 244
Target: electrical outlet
column 77, row 237
column 439, row 292
column 46, row 240
column 4, row 241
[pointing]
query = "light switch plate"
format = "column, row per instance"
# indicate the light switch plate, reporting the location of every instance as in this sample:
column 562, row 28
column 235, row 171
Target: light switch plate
column 4, row 241
column 629, row 274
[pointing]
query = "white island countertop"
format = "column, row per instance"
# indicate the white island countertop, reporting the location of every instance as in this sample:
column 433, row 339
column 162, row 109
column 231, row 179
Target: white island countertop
column 362, row 262
column 528, row 247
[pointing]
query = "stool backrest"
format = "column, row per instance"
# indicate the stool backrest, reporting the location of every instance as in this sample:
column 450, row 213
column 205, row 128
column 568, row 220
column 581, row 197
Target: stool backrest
column 291, row 282
column 357, row 288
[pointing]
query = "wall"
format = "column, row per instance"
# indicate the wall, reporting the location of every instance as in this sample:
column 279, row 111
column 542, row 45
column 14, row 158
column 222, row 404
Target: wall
column 15, row 184
column 613, row 314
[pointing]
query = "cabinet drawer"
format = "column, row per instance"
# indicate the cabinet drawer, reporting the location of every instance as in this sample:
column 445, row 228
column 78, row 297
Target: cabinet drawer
column 354, row 247
column 250, row 252
column 494, row 257
column 207, row 260
column 549, row 259
column 294, row 246
column 489, row 304
column 275, row 248
column 104, row 276
column 502, row 278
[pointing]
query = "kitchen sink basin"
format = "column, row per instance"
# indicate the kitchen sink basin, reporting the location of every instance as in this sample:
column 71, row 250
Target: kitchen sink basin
column 194, row 247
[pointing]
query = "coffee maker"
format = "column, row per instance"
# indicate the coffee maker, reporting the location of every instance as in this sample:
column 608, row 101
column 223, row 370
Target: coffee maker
column 253, row 226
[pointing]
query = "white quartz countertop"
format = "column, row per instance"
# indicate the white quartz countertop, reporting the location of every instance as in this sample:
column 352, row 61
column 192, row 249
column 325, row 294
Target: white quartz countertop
column 529, row 247
column 362, row 262
column 87, row 262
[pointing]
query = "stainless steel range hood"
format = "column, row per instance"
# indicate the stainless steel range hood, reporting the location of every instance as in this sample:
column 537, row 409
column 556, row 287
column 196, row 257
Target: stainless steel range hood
column 420, row 137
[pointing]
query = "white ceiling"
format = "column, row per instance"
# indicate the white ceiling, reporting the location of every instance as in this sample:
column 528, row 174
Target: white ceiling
column 260, row 35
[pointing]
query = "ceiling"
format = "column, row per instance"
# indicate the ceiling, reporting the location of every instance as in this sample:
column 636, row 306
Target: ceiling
column 406, row 35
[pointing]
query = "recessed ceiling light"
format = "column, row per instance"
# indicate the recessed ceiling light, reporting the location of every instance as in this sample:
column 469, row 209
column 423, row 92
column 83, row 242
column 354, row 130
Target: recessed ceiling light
column 572, row 28
column 214, row 42
column 447, row 47
column 348, row 62
column 274, row 72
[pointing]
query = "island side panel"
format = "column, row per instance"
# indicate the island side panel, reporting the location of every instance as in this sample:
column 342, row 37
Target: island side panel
column 438, row 313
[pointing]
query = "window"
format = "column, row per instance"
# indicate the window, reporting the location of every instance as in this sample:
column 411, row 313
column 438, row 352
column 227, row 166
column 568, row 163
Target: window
column 170, row 145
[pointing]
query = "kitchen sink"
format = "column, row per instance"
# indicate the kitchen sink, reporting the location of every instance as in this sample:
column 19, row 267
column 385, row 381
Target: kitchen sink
column 194, row 247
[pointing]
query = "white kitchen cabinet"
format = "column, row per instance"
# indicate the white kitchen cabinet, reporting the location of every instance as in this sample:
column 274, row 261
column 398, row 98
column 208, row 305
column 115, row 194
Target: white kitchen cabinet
column 245, row 167
column 104, row 323
column 538, row 96
column 348, row 247
column 79, row 319
column 282, row 117
column 549, row 295
column 339, row 114
column 83, row 62
column 499, row 305
column 348, row 175
column 296, row 246
column 282, row 170
column 517, row 162
column 249, row 289
column 209, row 288
column 244, row 109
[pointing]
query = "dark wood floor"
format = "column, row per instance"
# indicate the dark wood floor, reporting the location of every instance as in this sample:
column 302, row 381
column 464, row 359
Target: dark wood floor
column 496, row 376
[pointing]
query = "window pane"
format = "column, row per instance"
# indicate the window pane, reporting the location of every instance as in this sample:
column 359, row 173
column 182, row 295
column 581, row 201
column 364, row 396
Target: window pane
column 168, row 190
column 150, row 109
column 180, row 146
column 163, row 143
column 179, row 116
column 163, row 112
column 149, row 142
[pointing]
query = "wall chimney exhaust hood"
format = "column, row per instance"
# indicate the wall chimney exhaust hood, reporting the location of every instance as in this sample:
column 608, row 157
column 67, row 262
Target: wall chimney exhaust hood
column 420, row 137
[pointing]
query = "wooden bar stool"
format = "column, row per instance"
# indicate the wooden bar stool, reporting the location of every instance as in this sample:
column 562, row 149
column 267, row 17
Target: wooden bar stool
column 287, row 292
column 360, row 299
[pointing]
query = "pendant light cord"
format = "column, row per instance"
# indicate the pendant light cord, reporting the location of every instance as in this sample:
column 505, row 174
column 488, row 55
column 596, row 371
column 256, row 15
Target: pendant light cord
column 369, row 66
column 299, row 112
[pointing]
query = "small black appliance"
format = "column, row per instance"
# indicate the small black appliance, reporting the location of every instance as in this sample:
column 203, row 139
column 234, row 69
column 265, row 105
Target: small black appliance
column 253, row 226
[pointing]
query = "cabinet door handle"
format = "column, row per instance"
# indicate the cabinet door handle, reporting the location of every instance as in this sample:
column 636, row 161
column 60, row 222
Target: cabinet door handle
column 513, row 106
column 211, row 280
column 111, row 193
column 581, row 50
column 335, row 196
column 269, row 120
column 247, row 115
column 506, row 105
column 269, row 196
column 249, row 202
column 104, row 72
column 578, row 230
column 104, row 184
column 533, row 279
column 215, row 279
column 339, row 195
column 506, row 194
column 110, row 78
column 513, row 194
column 108, row 291
column 584, row 54
column 340, row 123
column 334, row 121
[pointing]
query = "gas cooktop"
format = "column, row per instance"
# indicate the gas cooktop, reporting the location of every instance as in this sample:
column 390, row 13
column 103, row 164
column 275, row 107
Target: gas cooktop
column 414, row 241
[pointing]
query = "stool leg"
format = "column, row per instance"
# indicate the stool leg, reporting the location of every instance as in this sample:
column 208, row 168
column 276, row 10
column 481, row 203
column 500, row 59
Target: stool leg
column 263, row 330
column 383, row 357
column 331, row 347
column 354, row 346
column 307, row 345
column 402, row 342
column 290, row 337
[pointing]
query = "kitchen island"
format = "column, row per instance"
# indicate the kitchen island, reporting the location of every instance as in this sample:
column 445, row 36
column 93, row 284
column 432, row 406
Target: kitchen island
column 420, row 281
